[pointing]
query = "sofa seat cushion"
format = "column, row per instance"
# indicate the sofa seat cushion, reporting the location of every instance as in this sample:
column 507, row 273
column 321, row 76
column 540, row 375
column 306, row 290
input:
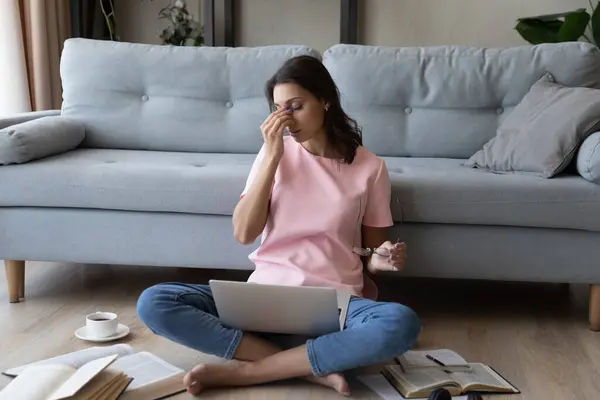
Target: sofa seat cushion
column 431, row 190
column 129, row 180
column 426, row 190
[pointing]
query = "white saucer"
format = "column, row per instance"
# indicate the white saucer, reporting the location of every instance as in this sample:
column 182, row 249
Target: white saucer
column 122, row 331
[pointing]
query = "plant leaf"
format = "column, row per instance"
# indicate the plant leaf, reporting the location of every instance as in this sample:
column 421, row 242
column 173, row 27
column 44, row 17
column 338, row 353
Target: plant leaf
column 536, row 31
column 554, row 28
column 596, row 25
column 574, row 26
column 551, row 17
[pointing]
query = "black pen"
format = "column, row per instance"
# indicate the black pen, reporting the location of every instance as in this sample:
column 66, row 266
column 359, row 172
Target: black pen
column 438, row 362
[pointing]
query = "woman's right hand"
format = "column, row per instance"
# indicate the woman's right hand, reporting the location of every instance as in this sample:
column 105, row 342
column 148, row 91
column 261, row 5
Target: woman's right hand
column 272, row 131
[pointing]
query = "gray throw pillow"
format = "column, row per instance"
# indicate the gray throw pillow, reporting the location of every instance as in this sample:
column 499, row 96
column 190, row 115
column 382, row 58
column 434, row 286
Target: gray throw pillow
column 39, row 138
column 544, row 131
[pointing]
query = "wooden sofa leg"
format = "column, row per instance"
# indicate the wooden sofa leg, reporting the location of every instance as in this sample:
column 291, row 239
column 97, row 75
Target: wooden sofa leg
column 595, row 307
column 15, row 279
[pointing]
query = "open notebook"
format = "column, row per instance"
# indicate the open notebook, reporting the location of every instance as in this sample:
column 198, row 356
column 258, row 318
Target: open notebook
column 148, row 376
column 90, row 381
column 416, row 376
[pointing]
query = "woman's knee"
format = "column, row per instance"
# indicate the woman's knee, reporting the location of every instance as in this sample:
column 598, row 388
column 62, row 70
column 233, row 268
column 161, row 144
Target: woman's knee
column 403, row 330
column 162, row 306
column 150, row 304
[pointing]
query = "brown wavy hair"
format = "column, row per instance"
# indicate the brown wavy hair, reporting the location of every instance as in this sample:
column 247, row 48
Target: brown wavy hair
column 343, row 133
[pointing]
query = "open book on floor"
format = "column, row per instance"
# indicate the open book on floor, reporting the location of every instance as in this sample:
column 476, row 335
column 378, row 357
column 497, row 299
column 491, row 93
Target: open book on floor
column 151, row 378
column 91, row 381
column 418, row 373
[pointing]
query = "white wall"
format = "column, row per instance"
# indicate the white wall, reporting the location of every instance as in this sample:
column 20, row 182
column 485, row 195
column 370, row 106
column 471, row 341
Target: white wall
column 384, row 22
column 440, row 22
column 314, row 23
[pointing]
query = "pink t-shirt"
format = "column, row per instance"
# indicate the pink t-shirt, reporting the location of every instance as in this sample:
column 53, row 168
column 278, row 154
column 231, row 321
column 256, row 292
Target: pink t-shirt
column 317, row 208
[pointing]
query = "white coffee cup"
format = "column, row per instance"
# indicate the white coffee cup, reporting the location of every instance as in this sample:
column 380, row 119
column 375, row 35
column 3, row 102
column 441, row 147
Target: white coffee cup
column 101, row 324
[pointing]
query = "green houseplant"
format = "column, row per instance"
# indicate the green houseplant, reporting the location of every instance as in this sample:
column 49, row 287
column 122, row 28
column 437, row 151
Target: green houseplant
column 108, row 13
column 183, row 29
column 563, row 27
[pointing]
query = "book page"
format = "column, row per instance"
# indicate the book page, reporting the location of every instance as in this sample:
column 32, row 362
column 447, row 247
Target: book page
column 78, row 358
column 378, row 384
column 114, row 392
column 418, row 358
column 424, row 379
column 101, row 384
column 37, row 382
column 81, row 377
column 110, row 392
column 483, row 378
column 145, row 369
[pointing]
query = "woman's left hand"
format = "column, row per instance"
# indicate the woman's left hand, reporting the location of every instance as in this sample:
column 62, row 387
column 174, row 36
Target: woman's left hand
column 393, row 262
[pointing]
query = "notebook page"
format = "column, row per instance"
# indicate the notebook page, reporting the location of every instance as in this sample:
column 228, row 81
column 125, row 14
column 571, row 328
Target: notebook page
column 115, row 392
column 78, row 358
column 36, row 383
column 111, row 392
column 422, row 379
column 145, row 368
column 100, row 385
column 82, row 377
column 482, row 375
column 378, row 384
column 418, row 358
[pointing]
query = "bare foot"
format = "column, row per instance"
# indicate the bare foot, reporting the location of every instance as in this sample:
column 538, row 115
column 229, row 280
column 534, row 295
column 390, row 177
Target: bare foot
column 231, row 374
column 334, row 381
column 213, row 375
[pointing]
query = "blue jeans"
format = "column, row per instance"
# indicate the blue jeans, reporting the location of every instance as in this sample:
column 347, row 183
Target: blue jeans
column 374, row 332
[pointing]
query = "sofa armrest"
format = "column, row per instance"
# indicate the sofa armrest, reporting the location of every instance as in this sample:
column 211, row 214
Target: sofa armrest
column 588, row 158
column 24, row 117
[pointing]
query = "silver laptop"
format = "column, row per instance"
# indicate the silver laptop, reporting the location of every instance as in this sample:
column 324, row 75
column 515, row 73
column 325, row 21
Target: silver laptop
column 310, row 311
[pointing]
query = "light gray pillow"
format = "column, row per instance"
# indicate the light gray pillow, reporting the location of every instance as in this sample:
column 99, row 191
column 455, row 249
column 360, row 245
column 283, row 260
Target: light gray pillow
column 588, row 158
column 39, row 138
column 544, row 131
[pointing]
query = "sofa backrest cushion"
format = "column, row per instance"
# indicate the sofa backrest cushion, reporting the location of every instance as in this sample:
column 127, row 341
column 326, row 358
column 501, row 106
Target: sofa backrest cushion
column 169, row 98
column 446, row 101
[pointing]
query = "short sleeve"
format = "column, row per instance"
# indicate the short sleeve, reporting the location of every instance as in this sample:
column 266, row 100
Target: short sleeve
column 254, row 170
column 378, row 213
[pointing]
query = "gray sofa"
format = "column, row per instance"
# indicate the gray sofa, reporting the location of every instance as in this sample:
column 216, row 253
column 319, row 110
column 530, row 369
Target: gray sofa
column 171, row 133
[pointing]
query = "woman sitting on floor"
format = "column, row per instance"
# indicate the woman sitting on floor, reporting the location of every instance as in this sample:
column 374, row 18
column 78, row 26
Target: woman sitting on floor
column 314, row 196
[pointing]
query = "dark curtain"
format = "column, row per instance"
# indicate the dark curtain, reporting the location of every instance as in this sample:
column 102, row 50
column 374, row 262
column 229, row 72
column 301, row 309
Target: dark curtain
column 87, row 20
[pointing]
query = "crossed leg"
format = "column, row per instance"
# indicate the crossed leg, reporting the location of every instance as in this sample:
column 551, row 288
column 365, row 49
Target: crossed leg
column 186, row 314
column 260, row 361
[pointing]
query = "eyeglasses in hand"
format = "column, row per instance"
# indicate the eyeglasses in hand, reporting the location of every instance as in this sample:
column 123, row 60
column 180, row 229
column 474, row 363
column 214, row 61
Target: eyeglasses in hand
column 380, row 251
column 365, row 252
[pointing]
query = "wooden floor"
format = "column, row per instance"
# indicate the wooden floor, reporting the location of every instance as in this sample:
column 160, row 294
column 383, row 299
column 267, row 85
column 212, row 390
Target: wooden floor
column 536, row 335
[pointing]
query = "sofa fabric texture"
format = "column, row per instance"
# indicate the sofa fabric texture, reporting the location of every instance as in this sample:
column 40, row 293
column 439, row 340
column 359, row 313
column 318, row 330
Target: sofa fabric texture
column 27, row 116
column 132, row 180
column 206, row 241
column 170, row 98
column 447, row 101
column 39, row 138
column 424, row 190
